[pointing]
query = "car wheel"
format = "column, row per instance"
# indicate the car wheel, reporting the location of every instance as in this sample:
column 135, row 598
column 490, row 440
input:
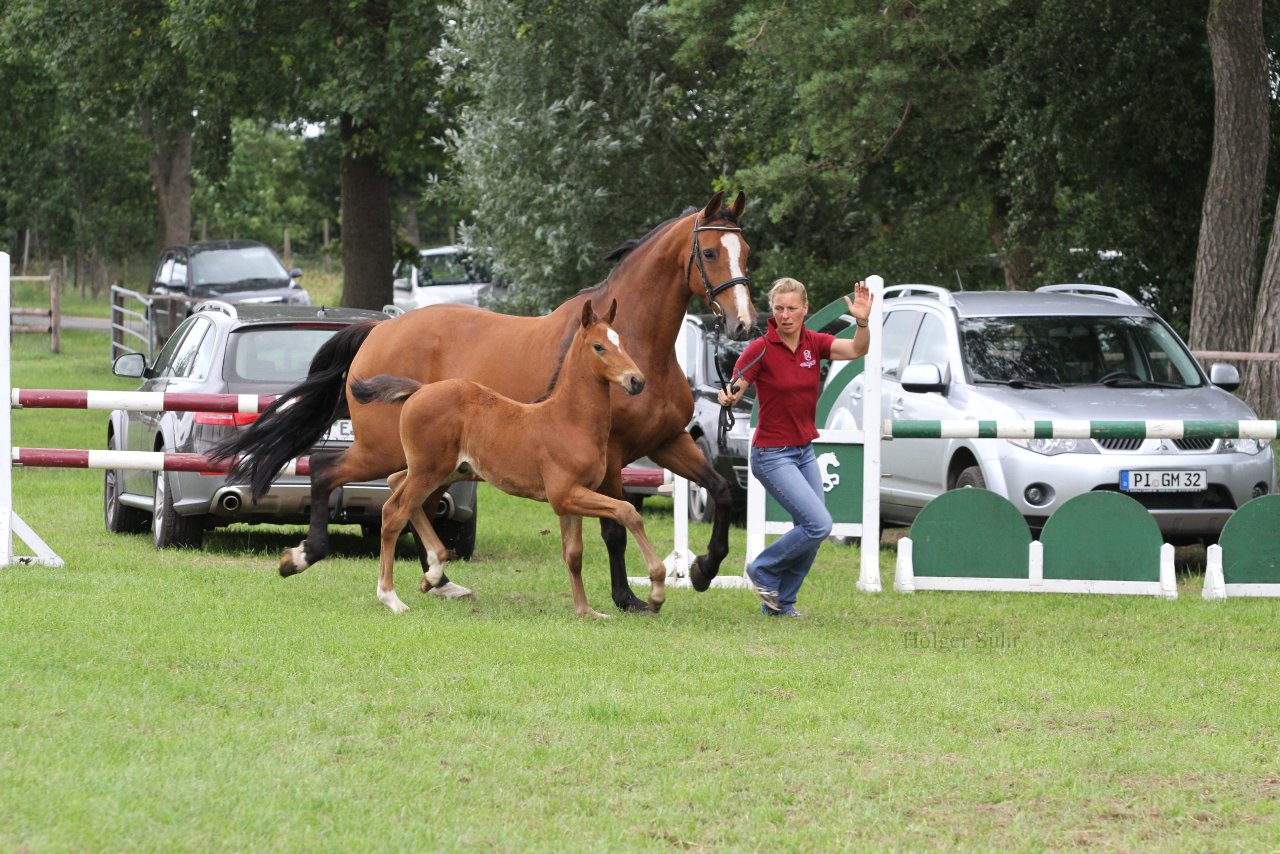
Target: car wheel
column 701, row 507
column 118, row 518
column 971, row 478
column 169, row 530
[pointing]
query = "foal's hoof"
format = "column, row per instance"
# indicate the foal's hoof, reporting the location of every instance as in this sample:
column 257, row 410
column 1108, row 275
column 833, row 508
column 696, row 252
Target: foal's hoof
column 701, row 578
column 449, row 590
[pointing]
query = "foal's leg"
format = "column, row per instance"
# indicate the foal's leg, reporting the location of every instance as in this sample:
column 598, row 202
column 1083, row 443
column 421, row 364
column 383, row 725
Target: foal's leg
column 408, row 492
column 684, row 459
column 615, row 542
column 571, row 547
column 581, row 501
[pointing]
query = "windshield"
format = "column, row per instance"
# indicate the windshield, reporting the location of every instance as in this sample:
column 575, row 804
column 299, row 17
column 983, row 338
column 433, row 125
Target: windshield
column 277, row 354
column 248, row 268
column 446, row 270
column 1063, row 351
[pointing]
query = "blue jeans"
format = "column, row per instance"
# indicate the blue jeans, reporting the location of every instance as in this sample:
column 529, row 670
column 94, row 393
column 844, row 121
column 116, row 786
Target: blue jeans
column 791, row 475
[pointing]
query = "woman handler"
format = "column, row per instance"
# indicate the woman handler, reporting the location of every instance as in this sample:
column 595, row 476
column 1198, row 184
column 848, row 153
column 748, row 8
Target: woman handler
column 784, row 366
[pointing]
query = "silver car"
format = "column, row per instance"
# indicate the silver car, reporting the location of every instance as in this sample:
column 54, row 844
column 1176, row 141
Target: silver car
column 1075, row 352
column 444, row 274
column 249, row 350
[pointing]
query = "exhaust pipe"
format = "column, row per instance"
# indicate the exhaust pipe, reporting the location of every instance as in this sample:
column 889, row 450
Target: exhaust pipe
column 230, row 502
column 445, row 508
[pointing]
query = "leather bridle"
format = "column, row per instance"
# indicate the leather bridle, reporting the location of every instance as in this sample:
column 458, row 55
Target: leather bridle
column 695, row 253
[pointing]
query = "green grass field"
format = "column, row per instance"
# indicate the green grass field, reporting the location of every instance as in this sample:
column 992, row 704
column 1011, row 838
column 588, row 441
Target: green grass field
column 195, row 701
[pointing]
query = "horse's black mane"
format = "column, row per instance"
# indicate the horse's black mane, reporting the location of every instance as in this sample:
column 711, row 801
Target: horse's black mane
column 622, row 250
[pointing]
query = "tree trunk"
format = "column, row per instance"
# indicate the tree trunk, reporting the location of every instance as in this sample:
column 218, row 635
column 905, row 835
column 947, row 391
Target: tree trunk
column 1223, row 295
column 1261, row 386
column 170, row 167
column 366, row 223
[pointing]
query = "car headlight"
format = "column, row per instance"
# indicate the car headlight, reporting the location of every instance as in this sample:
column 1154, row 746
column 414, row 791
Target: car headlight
column 300, row 298
column 1048, row 447
column 1242, row 446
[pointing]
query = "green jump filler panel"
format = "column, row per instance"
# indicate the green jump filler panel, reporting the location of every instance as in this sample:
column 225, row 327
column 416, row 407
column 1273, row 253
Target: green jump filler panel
column 1251, row 543
column 970, row 533
column 1102, row 536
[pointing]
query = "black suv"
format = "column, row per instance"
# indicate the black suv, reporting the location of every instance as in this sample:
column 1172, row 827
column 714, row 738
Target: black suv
column 253, row 350
column 234, row 271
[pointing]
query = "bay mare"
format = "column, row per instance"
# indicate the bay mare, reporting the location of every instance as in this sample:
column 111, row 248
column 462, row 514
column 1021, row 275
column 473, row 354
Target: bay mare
column 700, row 253
column 552, row 450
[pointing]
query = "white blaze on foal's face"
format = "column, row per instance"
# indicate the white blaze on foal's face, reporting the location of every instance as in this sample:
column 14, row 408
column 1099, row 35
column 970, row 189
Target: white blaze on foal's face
column 733, row 251
column 613, row 337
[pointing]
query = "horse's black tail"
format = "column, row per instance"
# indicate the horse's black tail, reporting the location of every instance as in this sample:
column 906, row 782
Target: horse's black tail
column 298, row 418
column 384, row 388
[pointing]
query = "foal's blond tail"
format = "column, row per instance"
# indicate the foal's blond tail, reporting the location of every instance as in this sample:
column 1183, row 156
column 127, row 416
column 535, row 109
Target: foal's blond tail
column 384, row 388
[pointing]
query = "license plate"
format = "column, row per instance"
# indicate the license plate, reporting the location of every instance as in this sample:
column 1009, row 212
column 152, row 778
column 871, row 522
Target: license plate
column 1163, row 480
column 340, row 431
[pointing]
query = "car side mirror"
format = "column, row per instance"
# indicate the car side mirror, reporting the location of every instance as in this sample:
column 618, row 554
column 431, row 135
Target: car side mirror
column 923, row 378
column 1224, row 376
column 400, row 284
column 295, row 273
column 130, row 365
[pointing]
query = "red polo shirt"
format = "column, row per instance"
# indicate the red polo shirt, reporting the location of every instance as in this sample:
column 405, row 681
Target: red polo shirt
column 787, row 385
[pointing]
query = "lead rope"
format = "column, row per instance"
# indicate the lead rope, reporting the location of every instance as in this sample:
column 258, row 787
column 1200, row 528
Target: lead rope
column 727, row 418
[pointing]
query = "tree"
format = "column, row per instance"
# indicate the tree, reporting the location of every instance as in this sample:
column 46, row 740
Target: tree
column 112, row 60
column 1223, row 302
column 360, row 69
column 577, row 135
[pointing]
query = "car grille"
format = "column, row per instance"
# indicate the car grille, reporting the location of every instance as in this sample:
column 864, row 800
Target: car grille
column 1195, row 446
column 1216, row 497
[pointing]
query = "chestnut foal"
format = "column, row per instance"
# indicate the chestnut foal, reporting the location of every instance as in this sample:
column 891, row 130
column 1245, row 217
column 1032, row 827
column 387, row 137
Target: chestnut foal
column 553, row 450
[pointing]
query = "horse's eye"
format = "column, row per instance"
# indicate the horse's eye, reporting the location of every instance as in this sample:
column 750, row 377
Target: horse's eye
column 599, row 347
column 709, row 254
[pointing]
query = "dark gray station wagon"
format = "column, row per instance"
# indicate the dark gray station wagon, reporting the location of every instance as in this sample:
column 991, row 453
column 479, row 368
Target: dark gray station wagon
column 241, row 349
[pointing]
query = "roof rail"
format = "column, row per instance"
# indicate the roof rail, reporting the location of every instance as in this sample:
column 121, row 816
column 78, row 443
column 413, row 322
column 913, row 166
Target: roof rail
column 216, row 305
column 941, row 294
column 1100, row 291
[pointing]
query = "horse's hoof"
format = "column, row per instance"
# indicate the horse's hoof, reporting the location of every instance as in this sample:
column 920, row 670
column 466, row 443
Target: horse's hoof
column 700, row 578
column 655, row 607
column 451, row 590
column 293, row 561
column 633, row 605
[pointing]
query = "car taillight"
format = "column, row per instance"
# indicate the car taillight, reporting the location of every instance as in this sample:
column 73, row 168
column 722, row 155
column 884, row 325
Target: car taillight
column 226, row 419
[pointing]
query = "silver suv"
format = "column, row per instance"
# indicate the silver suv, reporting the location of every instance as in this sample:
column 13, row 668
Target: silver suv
column 1075, row 352
column 249, row 350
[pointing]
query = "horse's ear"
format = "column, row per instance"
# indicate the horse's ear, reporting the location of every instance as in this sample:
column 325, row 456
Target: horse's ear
column 588, row 314
column 713, row 206
column 613, row 312
column 739, row 205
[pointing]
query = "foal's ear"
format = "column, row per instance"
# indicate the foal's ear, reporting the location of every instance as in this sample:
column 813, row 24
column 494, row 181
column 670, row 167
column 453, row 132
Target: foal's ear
column 588, row 314
column 713, row 206
column 613, row 312
column 739, row 205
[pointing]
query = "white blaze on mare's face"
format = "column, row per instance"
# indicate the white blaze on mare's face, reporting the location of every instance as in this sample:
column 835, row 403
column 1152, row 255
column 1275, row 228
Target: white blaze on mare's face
column 613, row 337
column 741, row 299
